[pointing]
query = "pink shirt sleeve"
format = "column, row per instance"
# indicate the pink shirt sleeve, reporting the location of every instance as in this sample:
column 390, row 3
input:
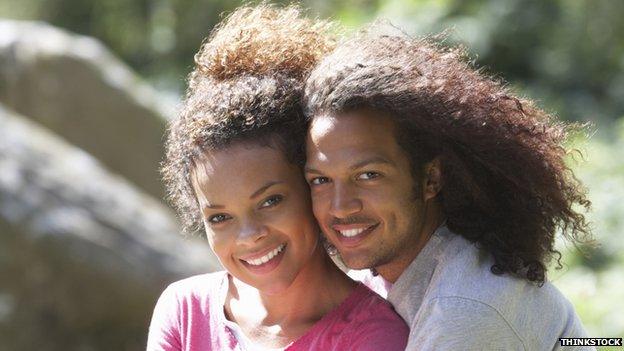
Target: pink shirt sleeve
column 164, row 330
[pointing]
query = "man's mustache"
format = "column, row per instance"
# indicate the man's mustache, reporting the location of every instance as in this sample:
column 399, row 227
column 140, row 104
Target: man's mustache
column 352, row 220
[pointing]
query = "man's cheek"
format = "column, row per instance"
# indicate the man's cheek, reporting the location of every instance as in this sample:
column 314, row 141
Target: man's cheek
column 319, row 204
column 320, row 212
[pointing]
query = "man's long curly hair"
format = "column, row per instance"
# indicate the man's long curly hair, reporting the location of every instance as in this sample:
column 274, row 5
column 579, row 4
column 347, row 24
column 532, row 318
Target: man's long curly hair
column 247, row 85
column 505, row 185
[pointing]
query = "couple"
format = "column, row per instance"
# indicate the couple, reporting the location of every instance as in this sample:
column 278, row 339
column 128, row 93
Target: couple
column 413, row 165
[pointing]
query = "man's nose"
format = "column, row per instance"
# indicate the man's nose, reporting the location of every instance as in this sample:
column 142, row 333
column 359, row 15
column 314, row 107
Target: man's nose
column 251, row 231
column 345, row 201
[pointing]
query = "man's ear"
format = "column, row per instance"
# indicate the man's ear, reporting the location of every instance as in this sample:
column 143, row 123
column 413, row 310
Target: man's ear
column 432, row 179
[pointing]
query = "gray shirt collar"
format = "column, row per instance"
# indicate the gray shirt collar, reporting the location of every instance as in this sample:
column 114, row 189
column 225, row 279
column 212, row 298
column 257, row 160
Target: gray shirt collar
column 414, row 280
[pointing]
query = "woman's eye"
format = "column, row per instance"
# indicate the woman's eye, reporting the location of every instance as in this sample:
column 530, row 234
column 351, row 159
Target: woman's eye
column 272, row 201
column 218, row 218
column 368, row 175
column 319, row 180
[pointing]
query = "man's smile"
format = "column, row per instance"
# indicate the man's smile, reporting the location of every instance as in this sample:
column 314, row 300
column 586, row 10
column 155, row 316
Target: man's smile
column 351, row 235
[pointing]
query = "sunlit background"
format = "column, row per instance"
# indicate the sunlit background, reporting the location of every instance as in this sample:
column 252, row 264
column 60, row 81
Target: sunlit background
column 86, row 242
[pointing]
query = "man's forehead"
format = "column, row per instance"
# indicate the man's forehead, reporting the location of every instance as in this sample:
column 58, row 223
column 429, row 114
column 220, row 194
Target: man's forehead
column 352, row 132
column 348, row 123
column 348, row 156
column 322, row 125
column 348, row 151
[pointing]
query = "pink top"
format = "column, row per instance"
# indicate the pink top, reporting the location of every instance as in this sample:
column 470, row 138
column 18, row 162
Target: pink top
column 189, row 316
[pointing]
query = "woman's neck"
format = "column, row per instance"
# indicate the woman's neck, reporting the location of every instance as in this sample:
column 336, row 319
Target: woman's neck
column 289, row 314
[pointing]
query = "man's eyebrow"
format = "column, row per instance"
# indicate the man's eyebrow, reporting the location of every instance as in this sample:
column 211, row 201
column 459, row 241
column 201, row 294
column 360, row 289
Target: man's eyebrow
column 311, row 170
column 265, row 187
column 372, row 160
column 365, row 162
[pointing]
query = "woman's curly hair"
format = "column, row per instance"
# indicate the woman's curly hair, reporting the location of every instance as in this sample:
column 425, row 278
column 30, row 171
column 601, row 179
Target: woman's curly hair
column 247, row 85
column 505, row 184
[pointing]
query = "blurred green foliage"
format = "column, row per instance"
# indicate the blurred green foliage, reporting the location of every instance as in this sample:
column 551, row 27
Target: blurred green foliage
column 595, row 284
column 569, row 55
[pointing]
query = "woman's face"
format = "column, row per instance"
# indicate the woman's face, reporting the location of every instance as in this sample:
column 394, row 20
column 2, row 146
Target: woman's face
column 257, row 214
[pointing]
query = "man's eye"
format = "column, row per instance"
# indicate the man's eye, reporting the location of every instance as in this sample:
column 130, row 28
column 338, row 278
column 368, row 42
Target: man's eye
column 368, row 175
column 272, row 201
column 218, row 218
column 319, row 180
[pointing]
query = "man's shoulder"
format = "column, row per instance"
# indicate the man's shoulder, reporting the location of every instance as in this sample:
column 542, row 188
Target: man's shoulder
column 463, row 281
column 457, row 322
column 465, row 271
column 513, row 323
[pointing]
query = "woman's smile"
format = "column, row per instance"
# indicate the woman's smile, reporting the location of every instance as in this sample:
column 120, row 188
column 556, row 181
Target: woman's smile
column 265, row 263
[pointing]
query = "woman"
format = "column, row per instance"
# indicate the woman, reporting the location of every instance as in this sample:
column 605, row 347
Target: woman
column 233, row 163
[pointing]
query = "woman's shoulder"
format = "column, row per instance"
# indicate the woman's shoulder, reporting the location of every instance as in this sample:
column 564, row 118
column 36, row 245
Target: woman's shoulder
column 194, row 297
column 186, row 310
column 368, row 304
column 199, row 281
column 202, row 286
column 372, row 322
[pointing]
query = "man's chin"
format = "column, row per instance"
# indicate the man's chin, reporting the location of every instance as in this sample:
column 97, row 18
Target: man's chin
column 358, row 262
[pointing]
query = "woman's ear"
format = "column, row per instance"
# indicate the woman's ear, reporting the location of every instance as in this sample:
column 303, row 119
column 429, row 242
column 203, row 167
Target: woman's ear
column 432, row 179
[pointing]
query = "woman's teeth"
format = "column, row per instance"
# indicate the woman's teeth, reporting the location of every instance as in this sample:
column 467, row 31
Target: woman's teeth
column 266, row 258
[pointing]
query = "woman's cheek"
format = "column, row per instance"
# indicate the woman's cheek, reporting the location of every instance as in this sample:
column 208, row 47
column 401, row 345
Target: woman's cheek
column 216, row 241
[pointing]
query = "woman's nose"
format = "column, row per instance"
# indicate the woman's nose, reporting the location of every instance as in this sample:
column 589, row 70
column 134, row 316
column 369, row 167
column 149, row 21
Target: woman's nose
column 251, row 231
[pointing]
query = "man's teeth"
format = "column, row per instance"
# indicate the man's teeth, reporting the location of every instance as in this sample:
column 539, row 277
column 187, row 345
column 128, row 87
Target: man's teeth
column 352, row 232
column 266, row 258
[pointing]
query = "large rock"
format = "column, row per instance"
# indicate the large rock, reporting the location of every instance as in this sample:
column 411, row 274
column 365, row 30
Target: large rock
column 74, row 86
column 83, row 254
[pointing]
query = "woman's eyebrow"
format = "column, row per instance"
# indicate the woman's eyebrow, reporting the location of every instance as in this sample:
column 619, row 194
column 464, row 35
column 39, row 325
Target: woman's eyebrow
column 265, row 187
column 211, row 207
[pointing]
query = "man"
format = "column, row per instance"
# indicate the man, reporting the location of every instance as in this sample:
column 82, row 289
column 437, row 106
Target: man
column 447, row 186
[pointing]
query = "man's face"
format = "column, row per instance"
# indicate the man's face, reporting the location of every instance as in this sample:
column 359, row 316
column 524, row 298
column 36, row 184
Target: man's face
column 363, row 192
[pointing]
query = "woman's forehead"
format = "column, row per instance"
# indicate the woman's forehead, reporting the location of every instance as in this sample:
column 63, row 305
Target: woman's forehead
column 239, row 170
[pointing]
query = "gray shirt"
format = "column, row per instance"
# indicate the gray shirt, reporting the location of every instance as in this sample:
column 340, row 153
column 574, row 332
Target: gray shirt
column 451, row 301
